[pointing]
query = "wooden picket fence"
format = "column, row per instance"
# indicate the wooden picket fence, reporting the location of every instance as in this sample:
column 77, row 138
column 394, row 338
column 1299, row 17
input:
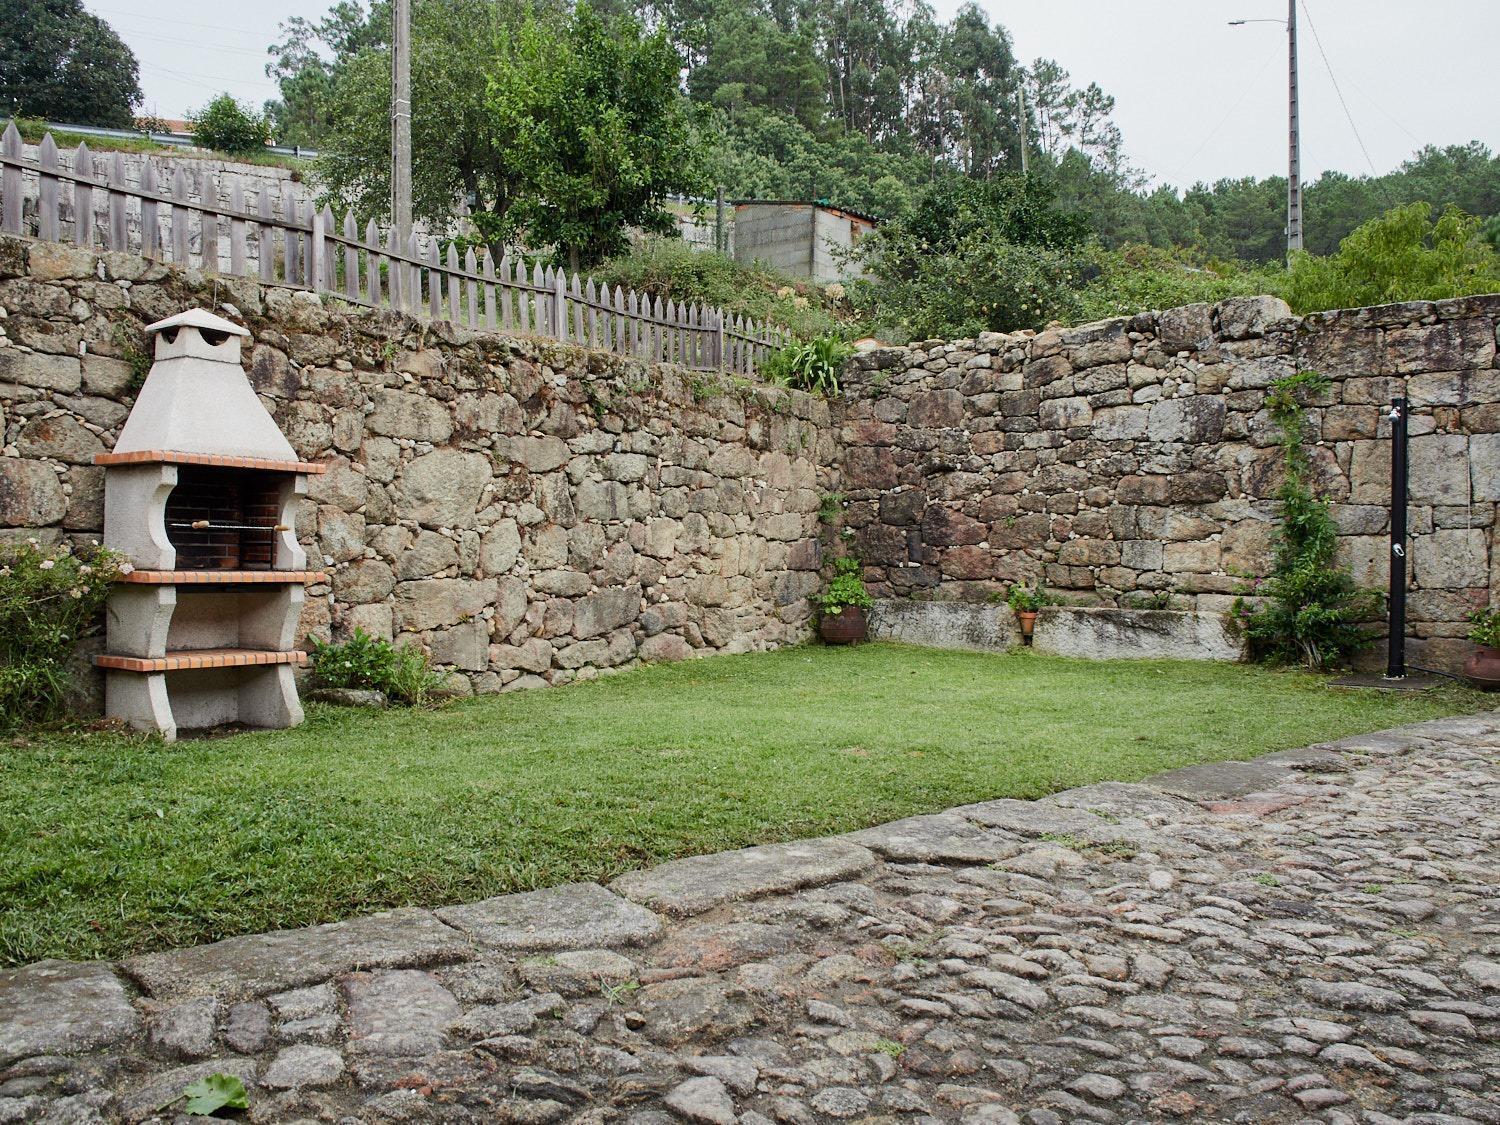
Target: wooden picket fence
column 301, row 246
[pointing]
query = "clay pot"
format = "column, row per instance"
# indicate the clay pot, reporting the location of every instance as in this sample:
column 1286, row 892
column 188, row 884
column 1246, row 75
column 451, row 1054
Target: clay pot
column 1027, row 618
column 848, row 627
column 1482, row 669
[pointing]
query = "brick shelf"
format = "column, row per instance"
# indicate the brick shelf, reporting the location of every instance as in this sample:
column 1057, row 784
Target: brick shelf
column 221, row 461
column 222, row 577
column 198, row 659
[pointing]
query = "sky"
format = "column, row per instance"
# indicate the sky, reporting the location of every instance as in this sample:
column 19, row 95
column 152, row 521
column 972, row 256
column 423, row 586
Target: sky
column 1195, row 98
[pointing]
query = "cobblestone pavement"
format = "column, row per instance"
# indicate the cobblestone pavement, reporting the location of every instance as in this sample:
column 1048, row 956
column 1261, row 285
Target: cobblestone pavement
column 1311, row 936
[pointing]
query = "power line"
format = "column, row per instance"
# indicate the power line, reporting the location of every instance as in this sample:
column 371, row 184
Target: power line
column 1245, row 93
column 182, row 23
column 1334, row 79
column 197, row 46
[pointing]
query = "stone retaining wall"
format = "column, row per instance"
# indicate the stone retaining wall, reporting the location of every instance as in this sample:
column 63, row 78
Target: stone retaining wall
column 534, row 513
column 531, row 513
column 1136, row 457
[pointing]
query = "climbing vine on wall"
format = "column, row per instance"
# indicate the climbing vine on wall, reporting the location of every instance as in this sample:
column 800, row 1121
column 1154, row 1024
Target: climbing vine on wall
column 1310, row 609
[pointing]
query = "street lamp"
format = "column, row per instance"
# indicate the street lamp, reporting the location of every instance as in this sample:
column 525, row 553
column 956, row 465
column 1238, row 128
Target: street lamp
column 1294, row 135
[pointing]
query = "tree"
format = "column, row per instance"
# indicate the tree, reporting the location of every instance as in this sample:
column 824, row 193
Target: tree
column 456, row 161
column 309, row 60
column 585, row 113
column 973, row 256
column 751, row 61
column 62, row 63
column 225, row 125
column 1402, row 256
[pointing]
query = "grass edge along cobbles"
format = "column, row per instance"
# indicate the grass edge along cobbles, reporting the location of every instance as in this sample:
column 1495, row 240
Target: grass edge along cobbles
column 112, row 845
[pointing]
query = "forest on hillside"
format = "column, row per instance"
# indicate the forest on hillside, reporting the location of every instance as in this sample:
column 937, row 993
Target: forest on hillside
column 860, row 102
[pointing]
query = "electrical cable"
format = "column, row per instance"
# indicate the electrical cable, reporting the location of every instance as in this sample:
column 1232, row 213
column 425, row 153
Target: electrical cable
column 1245, row 93
column 1318, row 39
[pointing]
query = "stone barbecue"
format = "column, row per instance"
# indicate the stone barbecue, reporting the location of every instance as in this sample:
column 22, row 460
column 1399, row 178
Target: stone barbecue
column 199, row 492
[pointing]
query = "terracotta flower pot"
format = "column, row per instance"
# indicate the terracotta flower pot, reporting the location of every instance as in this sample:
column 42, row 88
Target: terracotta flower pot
column 1482, row 669
column 1027, row 618
column 847, row 627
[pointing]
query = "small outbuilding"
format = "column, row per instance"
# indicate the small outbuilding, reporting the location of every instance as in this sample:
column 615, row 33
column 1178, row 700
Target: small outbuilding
column 802, row 239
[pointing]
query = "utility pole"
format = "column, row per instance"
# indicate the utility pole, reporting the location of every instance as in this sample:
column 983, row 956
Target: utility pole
column 1294, row 130
column 1021, row 104
column 401, row 119
column 1294, row 139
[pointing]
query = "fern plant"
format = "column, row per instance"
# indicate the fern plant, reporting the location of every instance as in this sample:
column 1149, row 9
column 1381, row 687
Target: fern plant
column 1313, row 612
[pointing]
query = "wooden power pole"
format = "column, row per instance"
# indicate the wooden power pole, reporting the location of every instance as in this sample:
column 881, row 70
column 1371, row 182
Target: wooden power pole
column 401, row 119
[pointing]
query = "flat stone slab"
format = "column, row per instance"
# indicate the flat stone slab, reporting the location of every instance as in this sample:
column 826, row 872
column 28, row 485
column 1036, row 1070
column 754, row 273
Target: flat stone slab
column 691, row 886
column 61, row 1007
column 400, row 1012
column 1113, row 634
column 941, row 838
column 1120, row 798
column 259, row 964
column 1030, row 818
column 1217, row 781
column 574, row 916
column 961, row 625
column 146, row 1100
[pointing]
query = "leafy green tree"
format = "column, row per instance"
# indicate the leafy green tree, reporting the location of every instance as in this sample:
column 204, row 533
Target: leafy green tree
column 752, row 61
column 1402, row 256
column 456, row 160
column 586, row 114
column 62, row 63
column 225, row 125
column 308, row 61
column 973, row 256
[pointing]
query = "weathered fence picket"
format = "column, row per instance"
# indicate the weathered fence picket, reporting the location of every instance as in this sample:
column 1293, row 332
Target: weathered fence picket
column 179, row 220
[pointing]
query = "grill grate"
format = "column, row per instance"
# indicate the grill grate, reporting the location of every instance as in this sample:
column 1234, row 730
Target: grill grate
column 223, row 519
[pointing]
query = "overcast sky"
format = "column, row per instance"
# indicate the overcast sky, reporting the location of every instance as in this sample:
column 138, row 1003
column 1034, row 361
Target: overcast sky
column 1196, row 98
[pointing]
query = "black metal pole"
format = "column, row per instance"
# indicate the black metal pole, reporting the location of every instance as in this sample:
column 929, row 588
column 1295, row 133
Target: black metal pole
column 1395, row 665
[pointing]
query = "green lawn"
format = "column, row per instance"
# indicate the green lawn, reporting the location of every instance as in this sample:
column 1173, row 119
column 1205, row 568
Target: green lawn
column 111, row 845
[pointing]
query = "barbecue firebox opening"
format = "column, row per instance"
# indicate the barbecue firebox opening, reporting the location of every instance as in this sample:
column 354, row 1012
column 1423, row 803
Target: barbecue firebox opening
column 224, row 519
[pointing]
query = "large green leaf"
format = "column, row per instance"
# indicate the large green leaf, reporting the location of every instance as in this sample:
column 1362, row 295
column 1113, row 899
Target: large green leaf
column 207, row 1096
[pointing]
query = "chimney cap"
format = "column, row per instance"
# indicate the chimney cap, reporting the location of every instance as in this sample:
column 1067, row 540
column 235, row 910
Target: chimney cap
column 200, row 319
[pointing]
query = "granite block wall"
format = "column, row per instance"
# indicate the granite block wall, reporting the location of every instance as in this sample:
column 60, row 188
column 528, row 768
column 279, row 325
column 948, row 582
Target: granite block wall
column 1133, row 461
column 528, row 512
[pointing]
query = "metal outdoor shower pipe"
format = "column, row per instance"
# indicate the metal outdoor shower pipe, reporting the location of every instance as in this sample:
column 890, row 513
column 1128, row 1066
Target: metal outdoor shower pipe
column 1395, row 665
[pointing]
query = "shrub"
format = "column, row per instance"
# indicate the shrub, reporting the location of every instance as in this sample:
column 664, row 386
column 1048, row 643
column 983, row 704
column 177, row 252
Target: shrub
column 1135, row 278
column 49, row 600
column 1401, row 256
column 971, row 257
column 813, row 365
column 1024, row 600
column 672, row 270
column 845, row 588
column 226, row 125
column 1313, row 613
column 1484, row 628
column 405, row 674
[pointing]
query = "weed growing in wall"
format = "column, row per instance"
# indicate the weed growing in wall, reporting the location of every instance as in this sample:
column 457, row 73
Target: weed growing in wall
column 1313, row 612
